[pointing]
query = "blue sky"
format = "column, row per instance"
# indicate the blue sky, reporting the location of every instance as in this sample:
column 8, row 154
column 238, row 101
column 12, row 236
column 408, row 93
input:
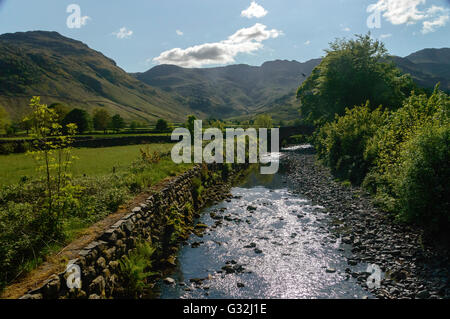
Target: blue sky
column 140, row 34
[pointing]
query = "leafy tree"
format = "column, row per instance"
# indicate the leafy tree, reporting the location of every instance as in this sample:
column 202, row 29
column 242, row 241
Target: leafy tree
column 190, row 124
column 162, row 125
column 352, row 72
column 133, row 126
column 78, row 117
column 117, row 123
column 54, row 154
column 341, row 144
column 264, row 121
column 384, row 149
column 26, row 124
column 422, row 183
column 101, row 120
column 12, row 128
column 61, row 111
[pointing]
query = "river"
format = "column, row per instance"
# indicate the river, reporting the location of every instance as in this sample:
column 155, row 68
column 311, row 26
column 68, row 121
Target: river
column 267, row 241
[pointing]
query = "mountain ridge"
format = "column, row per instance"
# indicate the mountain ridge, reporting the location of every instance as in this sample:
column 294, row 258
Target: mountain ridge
column 64, row 70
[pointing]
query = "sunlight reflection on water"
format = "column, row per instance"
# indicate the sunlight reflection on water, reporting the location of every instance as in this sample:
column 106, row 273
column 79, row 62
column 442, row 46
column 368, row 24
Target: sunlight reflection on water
column 294, row 249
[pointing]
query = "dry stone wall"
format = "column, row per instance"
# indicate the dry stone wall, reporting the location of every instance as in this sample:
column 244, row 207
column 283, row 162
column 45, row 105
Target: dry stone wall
column 99, row 261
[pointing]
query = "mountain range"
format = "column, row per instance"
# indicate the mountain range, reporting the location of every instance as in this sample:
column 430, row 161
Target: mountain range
column 63, row 70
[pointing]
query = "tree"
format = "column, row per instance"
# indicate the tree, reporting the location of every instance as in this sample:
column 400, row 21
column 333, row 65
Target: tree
column 264, row 121
column 60, row 111
column 4, row 118
column 26, row 124
column 352, row 73
column 12, row 128
column 101, row 120
column 133, row 126
column 78, row 117
column 52, row 150
column 117, row 123
column 190, row 124
column 162, row 125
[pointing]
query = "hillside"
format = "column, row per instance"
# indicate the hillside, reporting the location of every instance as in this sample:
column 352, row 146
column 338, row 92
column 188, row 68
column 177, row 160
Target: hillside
column 67, row 71
column 63, row 70
column 234, row 90
column 427, row 67
column 240, row 91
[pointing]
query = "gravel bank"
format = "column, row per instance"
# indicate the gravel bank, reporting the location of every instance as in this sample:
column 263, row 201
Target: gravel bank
column 413, row 268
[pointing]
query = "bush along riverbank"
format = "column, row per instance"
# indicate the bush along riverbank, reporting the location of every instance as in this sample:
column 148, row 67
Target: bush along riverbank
column 138, row 249
column 413, row 266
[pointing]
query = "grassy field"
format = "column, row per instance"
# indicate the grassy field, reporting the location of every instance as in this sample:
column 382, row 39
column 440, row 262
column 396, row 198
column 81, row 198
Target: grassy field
column 25, row 242
column 90, row 162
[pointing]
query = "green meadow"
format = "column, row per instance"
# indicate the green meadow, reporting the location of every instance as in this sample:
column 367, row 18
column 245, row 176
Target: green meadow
column 90, row 161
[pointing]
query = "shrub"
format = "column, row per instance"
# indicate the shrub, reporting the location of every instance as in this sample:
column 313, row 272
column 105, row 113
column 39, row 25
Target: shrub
column 422, row 185
column 20, row 238
column 6, row 148
column 384, row 149
column 136, row 268
column 341, row 144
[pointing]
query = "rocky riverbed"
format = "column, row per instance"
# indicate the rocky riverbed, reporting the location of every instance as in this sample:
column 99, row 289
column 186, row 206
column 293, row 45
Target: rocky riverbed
column 412, row 267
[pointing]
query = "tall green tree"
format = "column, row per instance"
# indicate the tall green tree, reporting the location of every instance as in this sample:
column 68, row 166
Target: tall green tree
column 190, row 124
column 352, row 73
column 78, row 117
column 162, row 125
column 117, row 123
column 101, row 119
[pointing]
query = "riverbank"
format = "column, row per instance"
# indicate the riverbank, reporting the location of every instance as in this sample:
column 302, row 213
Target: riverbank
column 163, row 219
column 413, row 267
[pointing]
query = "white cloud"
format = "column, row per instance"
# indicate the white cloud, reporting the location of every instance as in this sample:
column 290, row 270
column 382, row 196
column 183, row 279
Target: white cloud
column 246, row 40
column 254, row 11
column 400, row 11
column 431, row 26
column 385, row 36
column 180, row 33
column 410, row 12
column 307, row 42
column 123, row 33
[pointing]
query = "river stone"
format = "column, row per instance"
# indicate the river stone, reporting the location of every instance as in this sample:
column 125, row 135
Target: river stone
column 330, row 270
column 51, row 289
column 97, row 286
column 169, row 281
column 101, row 262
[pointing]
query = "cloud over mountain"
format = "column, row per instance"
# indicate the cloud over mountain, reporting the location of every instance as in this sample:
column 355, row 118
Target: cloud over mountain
column 246, row 40
column 411, row 12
